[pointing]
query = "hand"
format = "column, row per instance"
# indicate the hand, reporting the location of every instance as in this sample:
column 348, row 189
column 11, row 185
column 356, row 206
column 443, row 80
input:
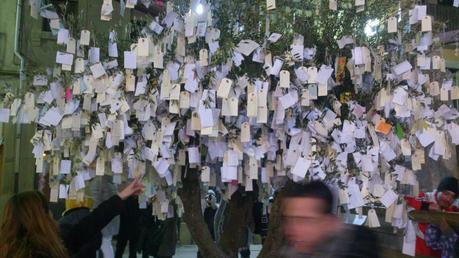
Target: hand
column 134, row 188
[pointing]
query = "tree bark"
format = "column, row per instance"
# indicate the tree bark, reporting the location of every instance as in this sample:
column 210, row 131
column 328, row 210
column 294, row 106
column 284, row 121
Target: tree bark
column 237, row 219
column 190, row 194
column 275, row 237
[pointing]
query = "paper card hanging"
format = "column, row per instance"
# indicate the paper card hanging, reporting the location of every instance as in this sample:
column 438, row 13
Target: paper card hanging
column 174, row 107
column 322, row 90
column 434, row 88
column 359, row 2
column 426, row 24
column 285, row 79
column 100, row 165
column 143, row 45
column 184, row 100
column 54, row 192
column 203, row 57
column 245, row 132
column 333, row 5
column 130, row 83
column 270, row 4
column 224, row 88
column 455, row 93
column 392, row 25
column 436, row 62
column 444, row 94
column 85, row 37
column 39, row 165
column 252, row 106
column 383, row 127
column 71, row 46
column 130, row 3
column 205, row 174
column 305, row 97
column 312, row 91
column 373, row 221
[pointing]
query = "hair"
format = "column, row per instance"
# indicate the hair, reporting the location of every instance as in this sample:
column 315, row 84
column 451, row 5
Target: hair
column 313, row 189
column 28, row 230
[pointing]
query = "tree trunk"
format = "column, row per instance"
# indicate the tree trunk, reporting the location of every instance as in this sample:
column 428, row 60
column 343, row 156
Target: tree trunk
column 275, row 238
column 237, row 219
column 190, row 194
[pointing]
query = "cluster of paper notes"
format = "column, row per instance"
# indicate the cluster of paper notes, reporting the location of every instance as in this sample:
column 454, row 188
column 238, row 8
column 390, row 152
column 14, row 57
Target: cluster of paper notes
column 117, row 119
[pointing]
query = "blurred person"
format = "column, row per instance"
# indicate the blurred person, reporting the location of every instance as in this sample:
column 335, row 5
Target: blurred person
column 28, row 230
column 129, row 228
column 75, row 211
column 102, row 189
column 312, row 230
column 436, row 240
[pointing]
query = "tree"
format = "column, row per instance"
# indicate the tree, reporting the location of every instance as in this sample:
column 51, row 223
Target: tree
column 310, row 24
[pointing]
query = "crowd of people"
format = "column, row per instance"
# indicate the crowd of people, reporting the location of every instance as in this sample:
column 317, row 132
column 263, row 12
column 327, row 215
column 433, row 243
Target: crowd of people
column 309, row 225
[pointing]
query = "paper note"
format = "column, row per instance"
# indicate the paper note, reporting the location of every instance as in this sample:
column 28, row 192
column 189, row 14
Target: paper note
column 64, row 58
column 194, row 156
column 246, row 47
column 383, row 127
column 392, row 25
column 389, row 198
column 284, row 79
column 402, row 68
column 373, row 221
column 62, row 36
column 97, row 70
column 355, row 196
column 270, row 4
column 63, row 191
column 85, row 37
column 130, row 60
column 426, row 24
column 274, row 37
column 66, row 166
column 224, row 88
column 4, row 115
column 333, row 5
column 301, row 167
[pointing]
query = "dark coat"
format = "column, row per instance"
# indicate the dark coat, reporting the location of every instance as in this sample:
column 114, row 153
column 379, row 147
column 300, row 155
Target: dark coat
column 157, row 238
column 83, row 238
column 352, row 242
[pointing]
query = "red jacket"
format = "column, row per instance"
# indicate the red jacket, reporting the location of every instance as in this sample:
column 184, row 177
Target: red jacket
column 422, row 203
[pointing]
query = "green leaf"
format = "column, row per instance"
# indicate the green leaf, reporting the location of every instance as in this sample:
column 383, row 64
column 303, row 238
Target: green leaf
column 399, row 131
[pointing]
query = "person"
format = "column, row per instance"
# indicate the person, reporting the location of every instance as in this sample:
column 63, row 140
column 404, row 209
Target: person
column 27, row 229
column 436, row 240
column 102, row 189
column 73, row 215
column 312, row 230
column 209, row 213
column 157, row 238
column 129, row 228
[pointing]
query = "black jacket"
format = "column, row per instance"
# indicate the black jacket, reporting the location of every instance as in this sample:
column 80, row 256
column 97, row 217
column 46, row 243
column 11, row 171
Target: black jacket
column 83, row 239
column 351, row 242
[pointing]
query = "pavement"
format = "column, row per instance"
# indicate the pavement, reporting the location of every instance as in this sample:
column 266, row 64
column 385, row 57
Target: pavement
column 190, row 251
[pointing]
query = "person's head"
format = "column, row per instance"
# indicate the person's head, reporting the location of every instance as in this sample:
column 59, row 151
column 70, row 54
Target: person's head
column 28, row 230
column 307, row 217
column 447, row 192
column 211, row 197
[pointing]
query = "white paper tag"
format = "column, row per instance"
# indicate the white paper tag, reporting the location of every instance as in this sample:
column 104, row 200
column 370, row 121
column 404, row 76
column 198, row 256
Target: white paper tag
column 426, row 24
column 392, row 25
column 85, row 36
column 284, row 79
